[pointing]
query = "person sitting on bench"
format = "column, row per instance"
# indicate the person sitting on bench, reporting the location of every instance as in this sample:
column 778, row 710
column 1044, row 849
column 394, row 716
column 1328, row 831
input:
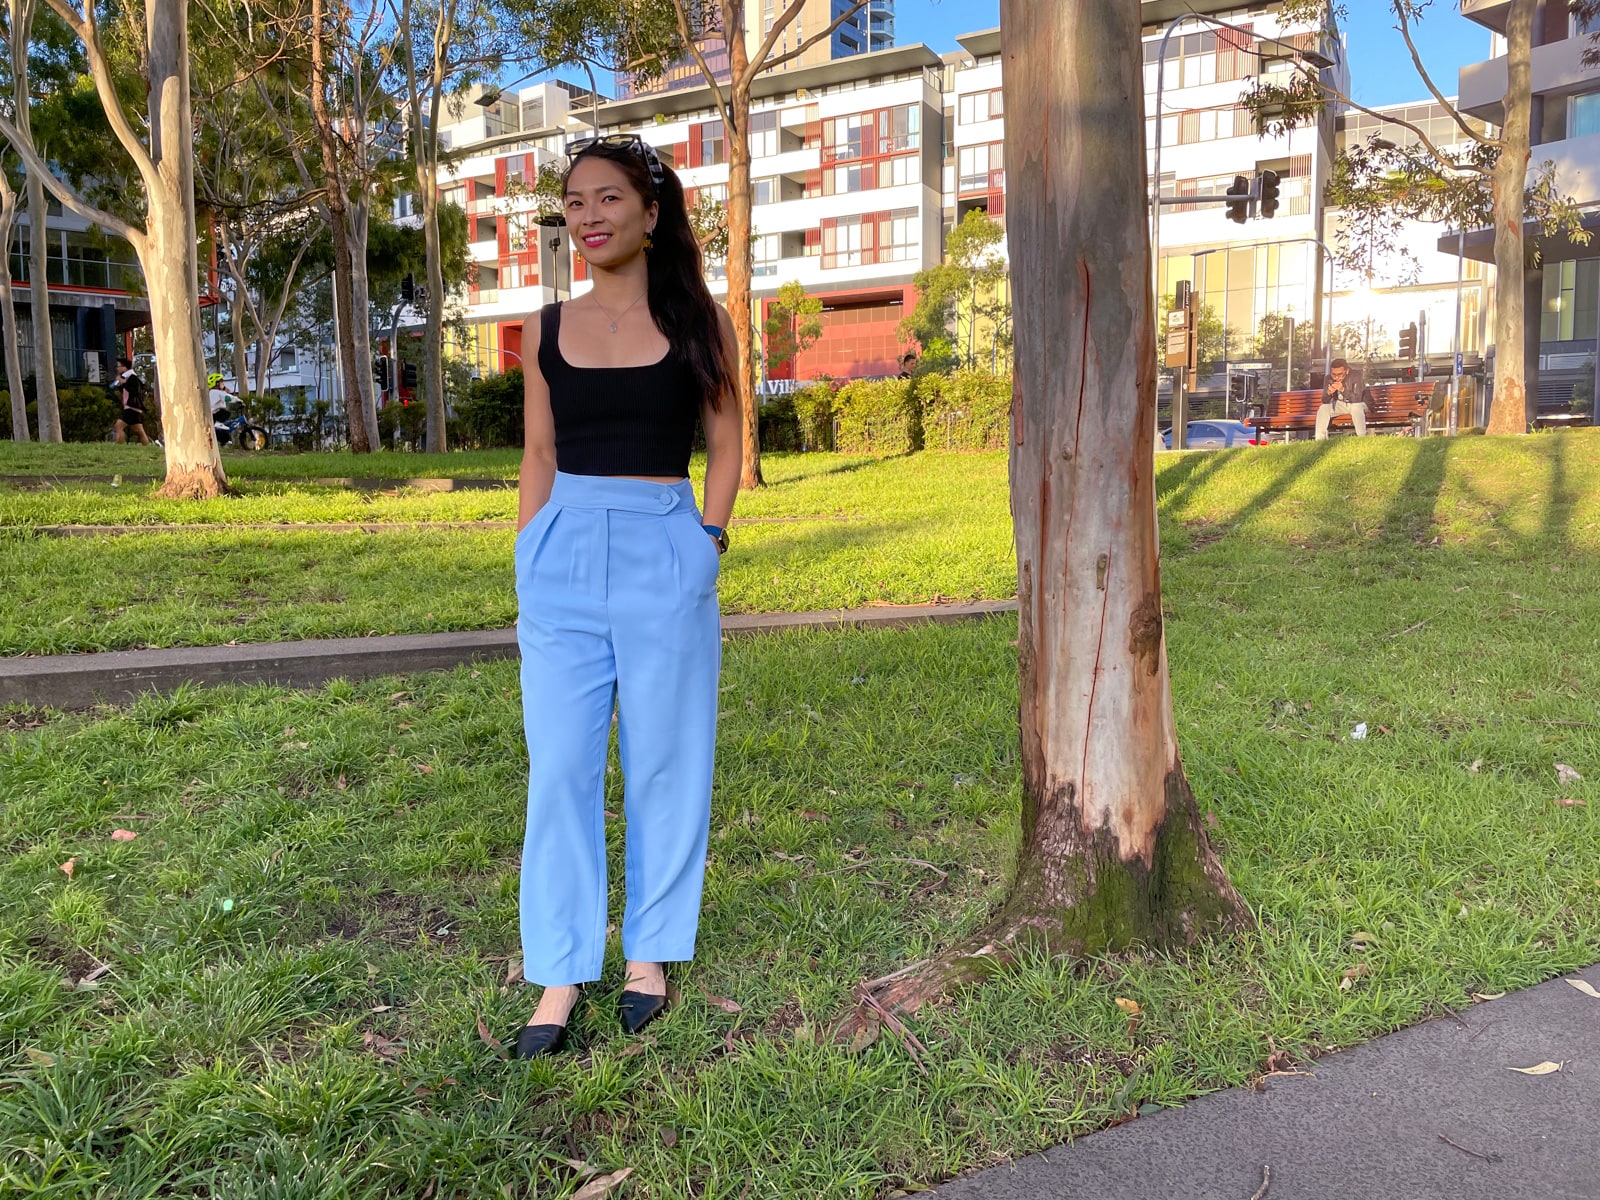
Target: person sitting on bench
column 1336, row 404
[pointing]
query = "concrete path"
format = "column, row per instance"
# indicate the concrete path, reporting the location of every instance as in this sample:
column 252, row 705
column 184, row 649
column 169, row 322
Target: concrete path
column 1367, row 1123
column 82, row 680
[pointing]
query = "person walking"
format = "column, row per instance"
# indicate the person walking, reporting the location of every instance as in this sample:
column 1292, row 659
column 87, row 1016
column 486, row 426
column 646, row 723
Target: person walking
column 129, row 389
column 616, row 573
column 1335, row 402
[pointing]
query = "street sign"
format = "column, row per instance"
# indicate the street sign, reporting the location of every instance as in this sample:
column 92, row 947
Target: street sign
column 1459, row 362
column 1178, row 347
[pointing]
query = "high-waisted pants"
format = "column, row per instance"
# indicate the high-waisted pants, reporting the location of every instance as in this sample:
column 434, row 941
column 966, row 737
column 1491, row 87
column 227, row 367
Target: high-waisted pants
column 617, row 603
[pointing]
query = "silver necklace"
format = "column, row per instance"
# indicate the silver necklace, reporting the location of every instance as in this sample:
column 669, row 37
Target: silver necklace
column 621, row 314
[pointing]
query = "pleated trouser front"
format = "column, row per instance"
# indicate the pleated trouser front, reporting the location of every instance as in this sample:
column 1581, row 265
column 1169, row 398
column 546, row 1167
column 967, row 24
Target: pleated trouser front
column 617, row 605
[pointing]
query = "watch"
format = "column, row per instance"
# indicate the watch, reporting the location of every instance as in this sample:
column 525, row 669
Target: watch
column 718, row 535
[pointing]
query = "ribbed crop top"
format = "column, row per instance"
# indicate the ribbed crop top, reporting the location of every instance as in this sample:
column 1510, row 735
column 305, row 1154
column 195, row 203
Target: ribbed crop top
column 618, row 420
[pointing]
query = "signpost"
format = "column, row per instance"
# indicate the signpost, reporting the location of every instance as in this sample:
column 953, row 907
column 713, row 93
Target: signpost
column 1183, row 353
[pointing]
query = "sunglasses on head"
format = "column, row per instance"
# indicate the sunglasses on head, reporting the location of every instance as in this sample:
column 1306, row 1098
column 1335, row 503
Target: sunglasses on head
column 621, row 141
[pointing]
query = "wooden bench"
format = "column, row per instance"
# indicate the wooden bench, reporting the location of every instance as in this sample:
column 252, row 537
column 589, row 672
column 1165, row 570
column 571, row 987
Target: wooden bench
column 1389, row 405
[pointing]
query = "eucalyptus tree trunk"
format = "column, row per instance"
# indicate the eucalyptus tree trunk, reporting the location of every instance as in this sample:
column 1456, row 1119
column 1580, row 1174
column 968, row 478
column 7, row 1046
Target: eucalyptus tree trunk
column 1114, row 851
column 44, row 343
column 737, row 140
column 8, row 317
column 236, row 323
column 171, row 264
column 1513, row 408
column 360, row 327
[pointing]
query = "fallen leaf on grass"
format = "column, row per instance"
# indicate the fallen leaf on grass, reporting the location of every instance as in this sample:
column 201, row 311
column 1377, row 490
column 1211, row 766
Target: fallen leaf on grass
column 104, row 967
column 1571, row 802
column 387, row 1049
column 722, row 1002
column 812, row 814
column 601, row 1184
column 380, row 1008
column 340, row 784
column 1487, row 995
column 1544, row 1068
column 39, row 1058
column 1584, row 986
column 424, row 768
column 68, row 867
column 1362, row 938
column 669, row 1136
column 1359, row 971
column 865, row 1036
column 1477, row 765
column 1131, row 1007
column 489, row 1039
column 634, row 1049
column 514, row 973
column 1565, row 774
column 123, row 835
column 1280, row 1061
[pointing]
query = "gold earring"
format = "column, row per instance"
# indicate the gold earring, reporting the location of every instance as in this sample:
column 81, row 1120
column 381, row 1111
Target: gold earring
column 648, row 241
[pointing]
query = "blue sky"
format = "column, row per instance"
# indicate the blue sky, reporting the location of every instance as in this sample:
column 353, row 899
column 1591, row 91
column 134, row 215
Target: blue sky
column 1380, row 67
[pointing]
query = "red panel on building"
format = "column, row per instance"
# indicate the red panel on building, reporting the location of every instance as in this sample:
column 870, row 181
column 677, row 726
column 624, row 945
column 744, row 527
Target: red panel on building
column 860, row 335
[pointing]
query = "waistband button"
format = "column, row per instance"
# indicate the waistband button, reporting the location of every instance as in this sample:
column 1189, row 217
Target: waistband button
column 666, row 499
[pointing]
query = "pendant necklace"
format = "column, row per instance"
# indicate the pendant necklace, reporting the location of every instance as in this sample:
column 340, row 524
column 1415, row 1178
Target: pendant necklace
column 621, row 314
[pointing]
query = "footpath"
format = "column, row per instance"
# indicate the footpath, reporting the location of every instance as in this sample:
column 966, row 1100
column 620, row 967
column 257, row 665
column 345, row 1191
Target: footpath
column 1499, row 1102
column 81, row 680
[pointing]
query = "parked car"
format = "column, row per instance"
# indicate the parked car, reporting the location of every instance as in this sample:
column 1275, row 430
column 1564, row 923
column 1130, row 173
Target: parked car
column 1217, row 435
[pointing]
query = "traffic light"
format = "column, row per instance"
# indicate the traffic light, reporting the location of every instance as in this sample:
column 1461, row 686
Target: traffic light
column 1269, row 194
column 1239, row 200
column 408, row 288
column 380, row 372
column 408, row 375
column 1237, row 394
column 1408, row 342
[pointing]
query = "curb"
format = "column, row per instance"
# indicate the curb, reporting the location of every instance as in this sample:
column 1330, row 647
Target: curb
column 62, row 531
column 77, row 681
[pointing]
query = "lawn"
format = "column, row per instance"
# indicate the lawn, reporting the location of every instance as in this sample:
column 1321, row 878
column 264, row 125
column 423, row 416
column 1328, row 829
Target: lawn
column 321, row 899
column 101, row 458
column 830, row 532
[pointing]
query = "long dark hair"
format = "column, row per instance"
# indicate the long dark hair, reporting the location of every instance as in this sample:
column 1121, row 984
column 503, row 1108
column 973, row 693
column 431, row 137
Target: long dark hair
column 680, row 302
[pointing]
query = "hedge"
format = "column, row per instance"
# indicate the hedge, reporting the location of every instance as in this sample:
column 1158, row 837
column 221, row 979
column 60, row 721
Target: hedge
column 87, row 413
column 877, row 416
column 970, row 410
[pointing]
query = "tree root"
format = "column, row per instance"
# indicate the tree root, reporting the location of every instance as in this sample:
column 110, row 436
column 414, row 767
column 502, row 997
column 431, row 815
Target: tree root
column 884, row 1000
column 195, row 483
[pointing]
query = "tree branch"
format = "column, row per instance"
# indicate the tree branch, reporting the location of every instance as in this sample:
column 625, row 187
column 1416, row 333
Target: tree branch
column 755, row 70
column 1416, row 61
column 705, row 68
column 88, row 33
column 68, row 197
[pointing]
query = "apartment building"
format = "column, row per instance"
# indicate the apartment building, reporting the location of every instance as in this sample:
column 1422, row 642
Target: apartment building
column 96, row 296
column 1563, row 295
column 846, row 185
column 862, row 163
column 861, row 32
column 1414, row 281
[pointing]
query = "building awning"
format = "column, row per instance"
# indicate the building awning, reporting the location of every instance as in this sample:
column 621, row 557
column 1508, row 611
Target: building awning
column 1480, row 242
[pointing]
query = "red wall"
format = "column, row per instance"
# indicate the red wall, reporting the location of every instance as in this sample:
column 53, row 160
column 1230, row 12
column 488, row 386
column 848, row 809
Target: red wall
column 860, row 335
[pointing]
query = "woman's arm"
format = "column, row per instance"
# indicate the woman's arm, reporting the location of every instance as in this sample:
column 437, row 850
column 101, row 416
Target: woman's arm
column 724, row 441
column 538, row 472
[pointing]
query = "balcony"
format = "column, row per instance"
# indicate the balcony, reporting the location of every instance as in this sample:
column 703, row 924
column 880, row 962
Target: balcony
column 1558, row 71
column 1491, row 13
column 82, row 273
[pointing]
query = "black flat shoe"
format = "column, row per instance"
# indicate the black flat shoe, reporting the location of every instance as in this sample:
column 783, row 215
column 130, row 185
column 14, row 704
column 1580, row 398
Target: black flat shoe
column 639, row 1009
column 539, row 1041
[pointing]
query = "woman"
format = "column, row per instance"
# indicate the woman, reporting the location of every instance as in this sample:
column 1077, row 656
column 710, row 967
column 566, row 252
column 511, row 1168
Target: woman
column 617, row 585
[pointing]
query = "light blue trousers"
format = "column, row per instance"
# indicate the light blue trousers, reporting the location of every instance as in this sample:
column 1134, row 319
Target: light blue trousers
column 617, row 604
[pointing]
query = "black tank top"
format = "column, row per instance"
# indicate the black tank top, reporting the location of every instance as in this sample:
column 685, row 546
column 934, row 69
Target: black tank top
column 618, row 420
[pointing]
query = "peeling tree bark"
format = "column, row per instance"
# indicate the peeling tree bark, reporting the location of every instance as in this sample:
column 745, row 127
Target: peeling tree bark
column 1114, row 851
column 1512, row 409
column 8, row 316
column 44, row 341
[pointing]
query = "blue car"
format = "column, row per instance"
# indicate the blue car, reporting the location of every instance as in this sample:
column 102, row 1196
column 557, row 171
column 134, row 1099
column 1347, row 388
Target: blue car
column 1217, row 435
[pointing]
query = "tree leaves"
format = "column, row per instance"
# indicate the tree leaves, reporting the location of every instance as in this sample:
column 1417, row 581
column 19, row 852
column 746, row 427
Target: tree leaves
column 1544, row 1068
column 123, row 835
column 722, row 1002
column 1587, row 988
column 601, row 1184
column 1566, row 775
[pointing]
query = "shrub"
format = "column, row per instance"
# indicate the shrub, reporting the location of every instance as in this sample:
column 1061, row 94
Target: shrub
column 877, row 416
column 491, row 414
column 813, row 415
column 403, row 425
column 87, row 412
column 969, row 410
column 780, row 429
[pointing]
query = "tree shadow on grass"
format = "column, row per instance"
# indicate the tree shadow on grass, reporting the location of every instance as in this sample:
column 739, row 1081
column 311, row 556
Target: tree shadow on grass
column 1410, row 514
column 1290, row 471
column 846, row 467
column 1557, row 526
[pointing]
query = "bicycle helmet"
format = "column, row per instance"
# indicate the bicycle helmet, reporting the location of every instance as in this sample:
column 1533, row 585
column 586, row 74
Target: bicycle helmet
column 214, row 380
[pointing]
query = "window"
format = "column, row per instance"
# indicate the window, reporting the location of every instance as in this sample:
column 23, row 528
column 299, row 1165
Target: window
column 517, row 225
column 975, row 166
column 897, row 235
column 980, row 106
column 765, row 249
column 893, row 172
column 1585, row 25
column 533, row 113
column 764, row 191
column 841, row 243
column 1571, row 295
column 1585, row 115
column 764, row 134
column 854, row 178
column 902, row 129
column 873, row 238
column 712, row 149
column 847, row 135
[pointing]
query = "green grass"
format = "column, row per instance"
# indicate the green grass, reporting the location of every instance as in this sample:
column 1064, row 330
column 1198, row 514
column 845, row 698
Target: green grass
column 299, row 881
column 101, row 458
column 902, row 530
